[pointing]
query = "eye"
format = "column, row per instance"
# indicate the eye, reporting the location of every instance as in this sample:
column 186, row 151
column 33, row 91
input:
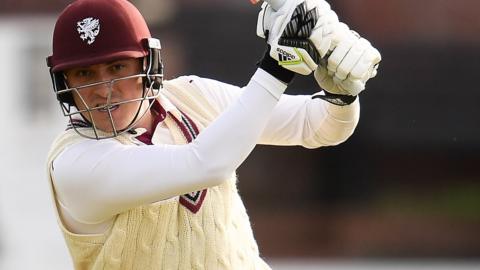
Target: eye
column 117, row 67
column 83, row 73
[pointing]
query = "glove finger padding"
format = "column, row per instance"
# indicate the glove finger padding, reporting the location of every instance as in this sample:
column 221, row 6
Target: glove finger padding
column 351, row 64
column 334, row 86
column 325, row 80
column 288, row 36
column 324, row 35
column 271, row 23
column 351, row 59
column 363, row 70
column 292, row 49
column 367, row 66
column 341, row 50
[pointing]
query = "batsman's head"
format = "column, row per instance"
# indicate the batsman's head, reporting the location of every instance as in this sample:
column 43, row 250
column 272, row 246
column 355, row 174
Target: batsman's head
column 105, row 67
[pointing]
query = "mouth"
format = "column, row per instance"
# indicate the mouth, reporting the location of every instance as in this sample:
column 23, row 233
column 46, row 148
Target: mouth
column 109, row 108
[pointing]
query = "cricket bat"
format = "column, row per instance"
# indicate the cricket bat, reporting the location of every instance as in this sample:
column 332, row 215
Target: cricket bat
column 275, row 4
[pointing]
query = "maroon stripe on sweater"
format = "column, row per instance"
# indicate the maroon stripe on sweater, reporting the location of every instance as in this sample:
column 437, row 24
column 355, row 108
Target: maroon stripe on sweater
column 194, row 126
column 192, row 203
column 194, row 206
column 183, row 128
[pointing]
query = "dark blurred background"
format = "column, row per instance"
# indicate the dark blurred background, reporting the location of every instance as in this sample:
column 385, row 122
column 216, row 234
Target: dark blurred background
column 406, row 184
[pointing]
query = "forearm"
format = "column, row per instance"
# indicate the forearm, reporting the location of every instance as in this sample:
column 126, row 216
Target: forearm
column 101, row 180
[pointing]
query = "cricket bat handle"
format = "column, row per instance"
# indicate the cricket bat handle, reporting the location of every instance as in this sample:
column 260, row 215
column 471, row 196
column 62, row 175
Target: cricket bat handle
column 275, row 4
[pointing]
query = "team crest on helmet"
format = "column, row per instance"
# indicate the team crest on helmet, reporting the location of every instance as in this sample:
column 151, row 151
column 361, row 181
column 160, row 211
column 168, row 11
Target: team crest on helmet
column 88, row 28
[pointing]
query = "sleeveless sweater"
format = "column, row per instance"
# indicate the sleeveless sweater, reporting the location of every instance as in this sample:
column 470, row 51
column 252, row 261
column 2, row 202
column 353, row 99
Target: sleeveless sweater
column 166, row 234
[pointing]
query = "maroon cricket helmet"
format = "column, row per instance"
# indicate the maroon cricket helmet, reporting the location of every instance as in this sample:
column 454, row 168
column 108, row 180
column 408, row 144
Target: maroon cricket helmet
column 97, row 31
column 91, row 32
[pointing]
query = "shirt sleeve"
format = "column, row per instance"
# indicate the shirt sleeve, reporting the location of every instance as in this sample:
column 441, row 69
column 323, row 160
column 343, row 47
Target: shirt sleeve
column 296, row 120
column 95, row 180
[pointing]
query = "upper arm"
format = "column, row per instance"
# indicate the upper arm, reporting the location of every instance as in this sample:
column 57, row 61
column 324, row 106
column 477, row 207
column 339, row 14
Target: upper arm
column 295, row 120
column 301, row 120
column 289, row 123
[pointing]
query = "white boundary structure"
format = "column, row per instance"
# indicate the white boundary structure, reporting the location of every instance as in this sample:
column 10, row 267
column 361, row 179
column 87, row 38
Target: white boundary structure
column 30, row 117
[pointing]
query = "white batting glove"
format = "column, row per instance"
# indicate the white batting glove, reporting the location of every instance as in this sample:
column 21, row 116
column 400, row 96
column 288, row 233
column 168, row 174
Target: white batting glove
column 287, row 31
column 325, row 35
column 350, row 65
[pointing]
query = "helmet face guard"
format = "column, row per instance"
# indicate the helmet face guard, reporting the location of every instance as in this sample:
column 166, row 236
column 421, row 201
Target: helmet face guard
column 81, row 115
column 90, row 32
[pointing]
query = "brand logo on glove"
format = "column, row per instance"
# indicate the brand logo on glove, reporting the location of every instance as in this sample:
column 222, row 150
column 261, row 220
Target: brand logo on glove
column 88, row 28
column 284, row 56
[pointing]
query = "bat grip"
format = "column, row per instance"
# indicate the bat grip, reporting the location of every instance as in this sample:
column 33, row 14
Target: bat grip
column 275, row 4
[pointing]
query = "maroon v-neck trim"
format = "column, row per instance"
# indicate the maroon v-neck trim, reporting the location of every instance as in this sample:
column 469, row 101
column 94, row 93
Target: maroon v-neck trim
column 146, row 137
column 192, row 201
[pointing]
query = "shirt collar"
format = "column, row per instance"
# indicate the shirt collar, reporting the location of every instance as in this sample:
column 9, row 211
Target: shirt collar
column 161, row 106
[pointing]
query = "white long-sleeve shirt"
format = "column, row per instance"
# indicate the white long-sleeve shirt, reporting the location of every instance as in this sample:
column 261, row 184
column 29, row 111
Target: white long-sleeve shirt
column 95, row 180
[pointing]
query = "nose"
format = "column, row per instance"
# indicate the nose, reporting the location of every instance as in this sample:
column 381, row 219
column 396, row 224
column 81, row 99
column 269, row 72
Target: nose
column 103, row 90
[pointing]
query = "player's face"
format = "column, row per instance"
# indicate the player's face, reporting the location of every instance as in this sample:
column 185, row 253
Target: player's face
column 111, row 91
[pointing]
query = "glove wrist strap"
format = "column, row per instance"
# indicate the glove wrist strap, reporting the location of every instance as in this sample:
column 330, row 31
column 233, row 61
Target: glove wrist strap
column 340, row 100
column 271, row 66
